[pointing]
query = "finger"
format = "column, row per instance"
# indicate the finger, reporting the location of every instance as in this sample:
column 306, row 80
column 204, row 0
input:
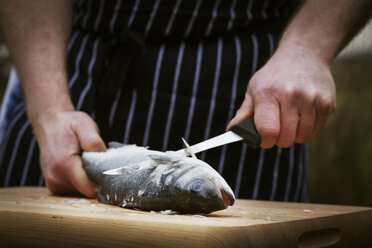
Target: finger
column 244, row 112
column 267, row 120
column 67, row 176
column 289, row 118
column 306, row 125
column 79, row 179
column 320, row 123
column 88, row 135
column 324, row 108
column 57, row 186
column 52, row 176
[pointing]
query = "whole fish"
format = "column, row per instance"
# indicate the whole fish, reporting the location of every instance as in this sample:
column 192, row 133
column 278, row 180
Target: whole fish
column 136, row 177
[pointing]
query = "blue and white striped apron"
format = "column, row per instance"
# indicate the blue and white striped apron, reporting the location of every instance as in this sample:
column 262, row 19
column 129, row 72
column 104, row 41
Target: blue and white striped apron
column 199, row 56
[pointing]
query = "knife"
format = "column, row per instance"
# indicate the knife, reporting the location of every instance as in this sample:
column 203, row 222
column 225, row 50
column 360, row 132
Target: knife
column 244, row 131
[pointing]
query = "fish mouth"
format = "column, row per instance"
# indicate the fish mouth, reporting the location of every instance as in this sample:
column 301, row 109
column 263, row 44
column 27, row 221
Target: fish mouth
column 227, row 199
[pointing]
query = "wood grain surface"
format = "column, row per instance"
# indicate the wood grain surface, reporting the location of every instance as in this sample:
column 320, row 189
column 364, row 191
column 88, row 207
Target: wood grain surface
column 33, row 217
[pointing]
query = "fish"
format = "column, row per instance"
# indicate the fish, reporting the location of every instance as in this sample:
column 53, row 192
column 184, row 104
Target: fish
column 132, row 176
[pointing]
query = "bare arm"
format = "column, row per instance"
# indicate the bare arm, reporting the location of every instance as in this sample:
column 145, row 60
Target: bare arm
column 293, row 95
column 37, row 34
column 324, row 27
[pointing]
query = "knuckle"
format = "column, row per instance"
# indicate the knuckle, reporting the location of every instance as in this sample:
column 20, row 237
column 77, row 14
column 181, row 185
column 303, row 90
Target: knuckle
column 60, row 162
column 82, row 114
column 265, row 89
column 269, row 134
column 83, row 119
column 310, row 97
column 269, row 131
column 270, row 89
column 289, row 91
column 56, row 165
column 93, row 141
column 291, row 94
column 50, row 163
column 325, row 105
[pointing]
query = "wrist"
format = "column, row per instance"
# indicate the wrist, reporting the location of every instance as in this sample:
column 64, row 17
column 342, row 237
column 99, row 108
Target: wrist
column 46, row 94
column 303, row 52
column 39, row 114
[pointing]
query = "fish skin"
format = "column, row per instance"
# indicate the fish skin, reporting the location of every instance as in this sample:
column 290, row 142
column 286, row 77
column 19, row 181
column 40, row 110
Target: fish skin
column 136, row 177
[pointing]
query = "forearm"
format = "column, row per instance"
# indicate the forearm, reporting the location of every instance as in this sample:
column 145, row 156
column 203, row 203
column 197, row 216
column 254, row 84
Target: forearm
column 323, row 27
column 37, row 34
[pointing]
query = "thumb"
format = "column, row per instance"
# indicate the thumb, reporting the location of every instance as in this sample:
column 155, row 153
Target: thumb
column 88, row 134
column 244, row 112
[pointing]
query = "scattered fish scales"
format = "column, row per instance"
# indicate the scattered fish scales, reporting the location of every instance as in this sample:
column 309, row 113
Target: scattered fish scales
column 166, row 212
column 269, row 218
column 308, row 211
column 76, row 201
column 135, row 177
column 199, row 216
column 239, row 211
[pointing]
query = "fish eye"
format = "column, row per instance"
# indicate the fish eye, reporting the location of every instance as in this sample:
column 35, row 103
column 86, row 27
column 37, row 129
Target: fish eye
column 197, row 186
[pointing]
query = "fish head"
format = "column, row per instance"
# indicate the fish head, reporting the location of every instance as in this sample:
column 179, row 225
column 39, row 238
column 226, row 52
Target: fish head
column 204, row 189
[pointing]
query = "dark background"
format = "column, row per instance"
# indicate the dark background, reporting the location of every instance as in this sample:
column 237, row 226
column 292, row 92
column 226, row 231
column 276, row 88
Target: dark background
column 5, row 65
column 340, row 160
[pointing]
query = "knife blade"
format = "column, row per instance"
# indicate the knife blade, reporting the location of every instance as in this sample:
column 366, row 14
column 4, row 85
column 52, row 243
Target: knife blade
column 245, row 131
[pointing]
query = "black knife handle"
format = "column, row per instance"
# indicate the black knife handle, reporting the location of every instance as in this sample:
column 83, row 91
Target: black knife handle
column 247, row 130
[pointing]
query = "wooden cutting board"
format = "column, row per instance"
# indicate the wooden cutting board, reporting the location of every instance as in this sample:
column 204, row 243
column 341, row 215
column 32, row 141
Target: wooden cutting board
column 32, row 217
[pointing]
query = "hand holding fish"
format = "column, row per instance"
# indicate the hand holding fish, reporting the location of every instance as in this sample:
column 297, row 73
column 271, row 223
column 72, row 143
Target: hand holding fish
column 61, row 137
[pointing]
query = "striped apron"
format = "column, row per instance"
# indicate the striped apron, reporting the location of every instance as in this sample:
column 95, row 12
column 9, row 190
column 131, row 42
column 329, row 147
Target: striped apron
column 152, row 71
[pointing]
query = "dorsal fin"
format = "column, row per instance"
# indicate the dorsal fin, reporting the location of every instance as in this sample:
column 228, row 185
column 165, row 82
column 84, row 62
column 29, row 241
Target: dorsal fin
column 114, row 144
column 188, row 148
